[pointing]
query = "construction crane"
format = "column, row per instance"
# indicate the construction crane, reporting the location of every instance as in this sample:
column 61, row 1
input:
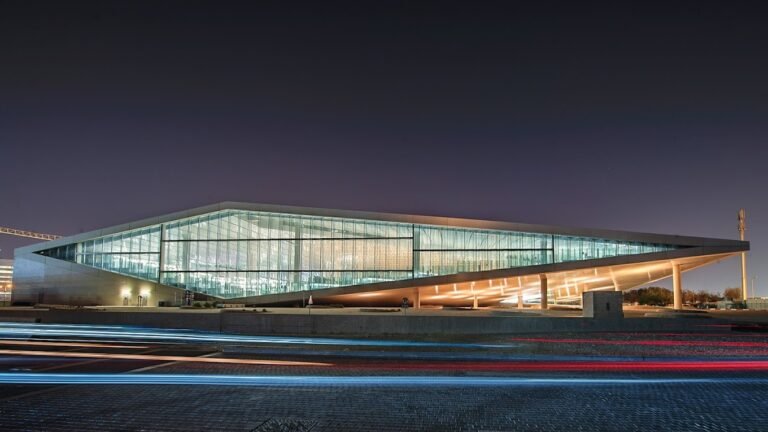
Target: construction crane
column 28, row 234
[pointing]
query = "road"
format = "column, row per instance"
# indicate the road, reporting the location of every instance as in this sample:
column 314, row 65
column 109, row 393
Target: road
column 84, row 377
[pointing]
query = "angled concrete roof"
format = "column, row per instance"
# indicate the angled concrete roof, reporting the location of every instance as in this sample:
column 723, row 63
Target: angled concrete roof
column 712, row 244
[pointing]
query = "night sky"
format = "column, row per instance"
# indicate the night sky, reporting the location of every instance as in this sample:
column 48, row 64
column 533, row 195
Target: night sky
column 626, row 115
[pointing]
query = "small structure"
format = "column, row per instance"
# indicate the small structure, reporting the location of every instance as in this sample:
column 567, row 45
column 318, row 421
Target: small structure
column 760, row 303
column 603, row 304
column 730, row 304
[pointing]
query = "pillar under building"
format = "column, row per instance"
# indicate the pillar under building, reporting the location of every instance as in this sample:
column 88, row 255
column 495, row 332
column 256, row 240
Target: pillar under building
column 744, row 276
column 742, row 228
column 677, row 287
column 520, row 300
column 543, row 282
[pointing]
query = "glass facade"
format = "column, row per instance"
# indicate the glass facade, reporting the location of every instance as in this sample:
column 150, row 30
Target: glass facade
column 442, row 250
column 134, row 253
column 235, row 253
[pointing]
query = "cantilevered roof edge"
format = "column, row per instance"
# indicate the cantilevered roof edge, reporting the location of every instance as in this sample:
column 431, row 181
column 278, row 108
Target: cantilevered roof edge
column 395, row 217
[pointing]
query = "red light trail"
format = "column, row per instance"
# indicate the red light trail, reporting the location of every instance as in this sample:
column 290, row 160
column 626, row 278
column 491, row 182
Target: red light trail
column 574, row 366
column 730, row 344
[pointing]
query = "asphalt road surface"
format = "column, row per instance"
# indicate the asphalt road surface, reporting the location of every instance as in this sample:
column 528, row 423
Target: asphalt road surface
column 83, row 377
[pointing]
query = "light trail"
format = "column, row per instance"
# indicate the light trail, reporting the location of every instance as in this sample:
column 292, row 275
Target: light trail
column 149, row 357
column 69, row 344
column 352, row 381
column 729, row 344
column 570, row 366
column 439, row 356
column 81, row 340
column 145, row 334
column 707, row 335
column 597, row 365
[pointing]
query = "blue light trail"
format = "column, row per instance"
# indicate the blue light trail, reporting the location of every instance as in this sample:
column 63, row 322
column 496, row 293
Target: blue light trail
column 10, row 330
column 334, row 381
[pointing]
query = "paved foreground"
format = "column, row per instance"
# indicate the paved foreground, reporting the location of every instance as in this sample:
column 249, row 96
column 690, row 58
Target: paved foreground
column 111, row 378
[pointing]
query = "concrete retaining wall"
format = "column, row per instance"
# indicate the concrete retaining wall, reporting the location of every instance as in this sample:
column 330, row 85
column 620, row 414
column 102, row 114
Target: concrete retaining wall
column 252, row 323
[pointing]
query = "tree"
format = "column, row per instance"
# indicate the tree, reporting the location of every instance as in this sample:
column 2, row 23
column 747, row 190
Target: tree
column 732, row 293
column 652, row 296
column 706, row 297
column 689, row 297
column 655, row 296
column 630, row 296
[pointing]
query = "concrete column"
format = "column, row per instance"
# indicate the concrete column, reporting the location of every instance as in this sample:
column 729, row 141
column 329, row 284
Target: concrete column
column 743, row 275
column 543, row 282
column 474, row 302
column 417, row 302
column 615, row 284
column 677, row 287
column 520, row 300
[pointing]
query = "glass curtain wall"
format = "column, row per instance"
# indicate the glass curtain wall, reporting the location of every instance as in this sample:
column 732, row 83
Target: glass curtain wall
column 235, row 253
column 442, row 251
column 135, row 253
column 569, row 248
column 238, row 253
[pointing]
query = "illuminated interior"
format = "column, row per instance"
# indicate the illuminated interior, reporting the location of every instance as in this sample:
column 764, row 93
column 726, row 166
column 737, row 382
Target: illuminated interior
column 234, row 254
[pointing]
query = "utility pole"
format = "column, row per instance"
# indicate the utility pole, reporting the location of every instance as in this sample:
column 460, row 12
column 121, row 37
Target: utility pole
column 742, row 228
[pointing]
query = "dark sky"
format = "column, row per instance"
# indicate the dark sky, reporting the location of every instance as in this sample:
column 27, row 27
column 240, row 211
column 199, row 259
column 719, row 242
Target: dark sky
column 628, row 115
